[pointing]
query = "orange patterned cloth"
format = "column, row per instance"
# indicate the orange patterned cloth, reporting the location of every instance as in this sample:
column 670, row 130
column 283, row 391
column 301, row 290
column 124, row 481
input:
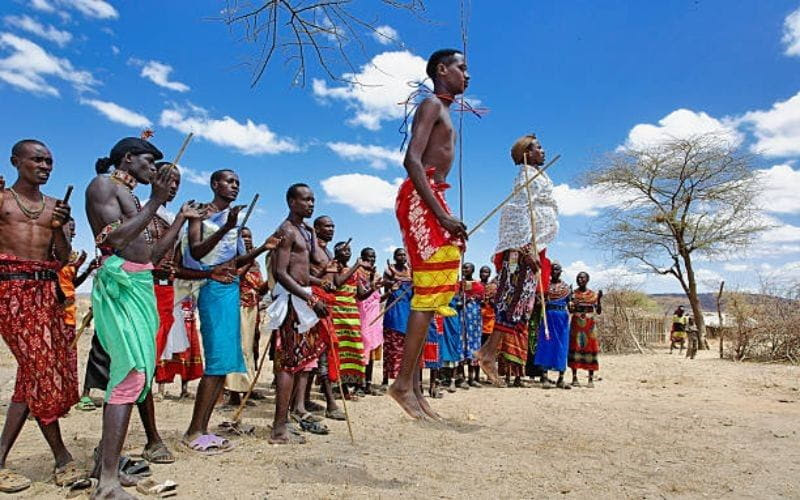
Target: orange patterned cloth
column 32, row 325
column 66, row 281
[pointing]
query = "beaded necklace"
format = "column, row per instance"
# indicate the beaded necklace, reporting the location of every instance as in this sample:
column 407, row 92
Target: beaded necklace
column 28, row 212
column 129, row 182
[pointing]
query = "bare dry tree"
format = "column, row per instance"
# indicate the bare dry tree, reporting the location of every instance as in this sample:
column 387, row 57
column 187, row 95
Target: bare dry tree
column 326, row 31
column 683, row 198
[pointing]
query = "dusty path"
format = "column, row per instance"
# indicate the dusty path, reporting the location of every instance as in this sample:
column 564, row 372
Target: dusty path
column 655, row 426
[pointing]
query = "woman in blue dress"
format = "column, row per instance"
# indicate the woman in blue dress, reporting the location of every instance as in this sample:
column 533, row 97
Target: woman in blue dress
column 552, row 346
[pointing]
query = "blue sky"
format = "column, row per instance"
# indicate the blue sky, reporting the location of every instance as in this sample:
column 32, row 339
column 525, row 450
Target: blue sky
column 585, row 76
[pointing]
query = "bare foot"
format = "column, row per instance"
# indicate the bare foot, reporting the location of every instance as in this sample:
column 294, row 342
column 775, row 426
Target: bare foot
column 489, row 365
column 407, row 401
column 111, row 492
column 285, row 437
column 423, row 404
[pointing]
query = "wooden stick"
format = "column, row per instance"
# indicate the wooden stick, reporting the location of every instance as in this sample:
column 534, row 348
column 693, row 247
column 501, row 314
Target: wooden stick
column 346, row 413
column 719, row 313
column 87, row 319
column 393, row 303
column 509, row 197
column 238, row 415
column 532, row 215
column 182, row 149
column 249, row 212
column 347, row 243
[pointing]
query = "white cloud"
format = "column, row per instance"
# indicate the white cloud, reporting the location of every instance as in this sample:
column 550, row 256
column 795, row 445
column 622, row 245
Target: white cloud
column 781, row 185
column 117, row 113
column 42, row 5
column 708, row 279
column 682, row 123
column 98, row 9
column 28, row 65
column 777, row 130
column 781, row 232
column 377, row 156
column 791, row 33
column 381, row 85
column 158, row 73
column 115, row 50
column 202, row 177
column 735, row 268
column 386, row 35
column 247, row 137
column 586, row 201
column 31, row 25
column 603, row 276
column 366, row 194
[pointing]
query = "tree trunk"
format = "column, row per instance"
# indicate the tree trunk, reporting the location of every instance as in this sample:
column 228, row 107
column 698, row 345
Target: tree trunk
column 694, row 302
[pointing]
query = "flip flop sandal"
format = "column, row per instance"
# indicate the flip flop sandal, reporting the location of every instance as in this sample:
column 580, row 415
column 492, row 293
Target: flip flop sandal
column 83, row 487
column 86, row 404
column 293, row 429
column 336, row 414
column 314, row 407
column 68, row 474
column 307, row 416
column 223, row 443
column 153, row 488
column 314, row 427
column 237, row 428
column 207, row 444
column 12, row 482
column 135, row 468
column 159, row 454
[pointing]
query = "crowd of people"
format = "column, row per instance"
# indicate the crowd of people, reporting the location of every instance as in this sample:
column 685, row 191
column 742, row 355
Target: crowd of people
column 185, row 296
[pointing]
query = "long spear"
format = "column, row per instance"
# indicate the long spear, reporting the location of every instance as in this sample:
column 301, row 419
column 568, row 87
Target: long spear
column 185, row 144
column 532, row 215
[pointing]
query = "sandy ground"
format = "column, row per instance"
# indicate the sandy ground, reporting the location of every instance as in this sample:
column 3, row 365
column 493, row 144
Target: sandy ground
column 655, row 426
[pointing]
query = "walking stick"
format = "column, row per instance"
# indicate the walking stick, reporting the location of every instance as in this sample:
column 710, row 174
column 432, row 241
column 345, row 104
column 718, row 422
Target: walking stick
column 185, row 144
column 85, row 322
column 391, row 305
column 238, row 415
column 346, row 413
column 249, row 212
column 532, row 216
column 509, row 197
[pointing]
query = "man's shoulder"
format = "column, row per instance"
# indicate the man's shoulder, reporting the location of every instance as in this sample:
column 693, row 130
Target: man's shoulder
column 101, row 184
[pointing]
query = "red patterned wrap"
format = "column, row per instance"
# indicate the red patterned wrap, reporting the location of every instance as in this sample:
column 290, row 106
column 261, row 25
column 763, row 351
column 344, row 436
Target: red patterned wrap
column 422, row 233
column 32, row 325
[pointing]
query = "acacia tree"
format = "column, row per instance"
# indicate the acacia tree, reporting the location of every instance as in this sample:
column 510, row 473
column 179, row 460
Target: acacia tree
column 324, row 31
column 683, row 198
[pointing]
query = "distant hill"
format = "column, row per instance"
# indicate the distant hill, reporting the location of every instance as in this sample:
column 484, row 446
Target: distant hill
column 669, row 301
column 708, row 301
